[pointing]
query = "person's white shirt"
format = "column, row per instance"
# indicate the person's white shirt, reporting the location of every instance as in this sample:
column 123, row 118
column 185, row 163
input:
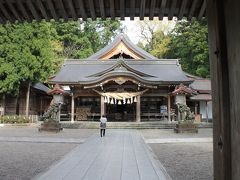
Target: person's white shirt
column 103, row 120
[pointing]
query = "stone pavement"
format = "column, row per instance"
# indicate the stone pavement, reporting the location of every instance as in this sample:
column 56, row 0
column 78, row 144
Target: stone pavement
column 121, row 155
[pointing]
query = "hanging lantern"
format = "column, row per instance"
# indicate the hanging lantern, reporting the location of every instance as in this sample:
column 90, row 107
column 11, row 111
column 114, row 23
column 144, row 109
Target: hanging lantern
column 128, row 101
column 108, row 99
column 119, row 102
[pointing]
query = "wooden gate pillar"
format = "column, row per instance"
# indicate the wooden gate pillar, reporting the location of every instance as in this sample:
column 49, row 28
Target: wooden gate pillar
column 138, row 109
column 72, row 109
column 224, row 50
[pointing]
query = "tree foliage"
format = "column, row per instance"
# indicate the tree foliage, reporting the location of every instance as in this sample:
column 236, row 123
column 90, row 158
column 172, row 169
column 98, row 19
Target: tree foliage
column 25, row 54
column 31, row 52
column 83, row 38
column 189, row 43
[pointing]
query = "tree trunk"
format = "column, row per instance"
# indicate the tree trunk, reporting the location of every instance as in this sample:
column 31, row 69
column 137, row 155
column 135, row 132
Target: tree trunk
column 27, row 99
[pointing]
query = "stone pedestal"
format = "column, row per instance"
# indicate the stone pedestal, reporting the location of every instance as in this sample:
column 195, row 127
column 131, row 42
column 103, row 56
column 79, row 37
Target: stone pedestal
column 186, row 127
column 53, row 126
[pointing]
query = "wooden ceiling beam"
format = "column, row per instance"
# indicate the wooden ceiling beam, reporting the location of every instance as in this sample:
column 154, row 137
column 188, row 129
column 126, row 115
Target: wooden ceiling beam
column 52, row 9
column 82, row 9
column 5, row 12
column 193, row 7
column 33, row 10
column 162, row 9
column 64, row 14
column 92, row 9
column 152, row 9
column 132, row 12
column 172, row 10
column 13, row 10
column 23, row 10
column 182, row 9
column 102, row 10
column 122, row 9
column 202, row 10
column 112, row 9
column 142, row 9
column 72, row 9
column 42, row 9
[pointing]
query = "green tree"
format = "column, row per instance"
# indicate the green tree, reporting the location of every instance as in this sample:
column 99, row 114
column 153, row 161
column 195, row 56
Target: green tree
column 189, row 43
column 25, row 55
column 152, row 33
column 160, row 44
column 83, row 38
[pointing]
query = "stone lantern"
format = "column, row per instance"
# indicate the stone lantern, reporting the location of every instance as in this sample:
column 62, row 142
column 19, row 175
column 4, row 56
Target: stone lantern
column 52, row 116
column 180, row 93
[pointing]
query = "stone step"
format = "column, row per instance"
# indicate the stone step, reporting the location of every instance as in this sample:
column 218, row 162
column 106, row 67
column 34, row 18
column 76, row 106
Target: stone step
column 127, row 125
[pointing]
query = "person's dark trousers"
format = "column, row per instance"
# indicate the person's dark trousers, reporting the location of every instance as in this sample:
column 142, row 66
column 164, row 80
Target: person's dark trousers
column 102, row 132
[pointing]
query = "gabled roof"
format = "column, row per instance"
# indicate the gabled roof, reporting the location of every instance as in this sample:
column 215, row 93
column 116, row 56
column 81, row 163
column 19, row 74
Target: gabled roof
column 121, row 66
column 125, row 40
column 150, row 71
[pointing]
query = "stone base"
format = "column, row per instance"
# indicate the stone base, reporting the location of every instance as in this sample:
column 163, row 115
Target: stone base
column 186, row 128
column 51, row 126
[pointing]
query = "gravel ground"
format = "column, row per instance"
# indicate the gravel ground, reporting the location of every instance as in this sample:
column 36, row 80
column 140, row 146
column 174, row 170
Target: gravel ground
column 183, row 161
column 186, row 161
column 33, row 132
column 22, row 161
column 169, row 133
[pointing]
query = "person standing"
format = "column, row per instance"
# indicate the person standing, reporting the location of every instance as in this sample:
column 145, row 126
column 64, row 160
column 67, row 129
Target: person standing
column 103, row 121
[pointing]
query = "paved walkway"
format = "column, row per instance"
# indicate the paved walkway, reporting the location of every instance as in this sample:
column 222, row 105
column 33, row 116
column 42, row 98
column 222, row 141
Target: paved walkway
column 121, row 155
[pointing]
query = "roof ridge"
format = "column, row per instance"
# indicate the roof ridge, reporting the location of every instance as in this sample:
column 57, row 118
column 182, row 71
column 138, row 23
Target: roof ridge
column 124, row 38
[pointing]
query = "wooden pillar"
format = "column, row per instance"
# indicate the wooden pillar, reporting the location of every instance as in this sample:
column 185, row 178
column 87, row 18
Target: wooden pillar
column 196, row 108
column 138, row 109
column 3, row 103
column 102, row 106
column 72, row 109
column 169, row 108
column 27, row 99
column 224, row 51
column 206, row 108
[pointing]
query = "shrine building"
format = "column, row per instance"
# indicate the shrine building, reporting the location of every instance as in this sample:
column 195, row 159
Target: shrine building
column 126, row 83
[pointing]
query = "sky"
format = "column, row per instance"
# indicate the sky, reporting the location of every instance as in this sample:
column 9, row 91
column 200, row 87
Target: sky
column 132, row 28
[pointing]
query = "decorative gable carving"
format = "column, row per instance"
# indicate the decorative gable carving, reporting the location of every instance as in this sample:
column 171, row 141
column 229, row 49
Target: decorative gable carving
column 121, row 48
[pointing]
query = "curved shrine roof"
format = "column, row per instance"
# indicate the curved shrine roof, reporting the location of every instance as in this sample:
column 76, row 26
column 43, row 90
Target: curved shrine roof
column 150, row 71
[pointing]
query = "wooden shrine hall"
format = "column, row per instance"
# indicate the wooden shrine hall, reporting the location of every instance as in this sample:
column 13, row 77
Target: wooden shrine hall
column 224, row 52
column 124, row 82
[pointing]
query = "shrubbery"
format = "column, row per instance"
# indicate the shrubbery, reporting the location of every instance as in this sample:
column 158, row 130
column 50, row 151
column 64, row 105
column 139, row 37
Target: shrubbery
column 15, row 119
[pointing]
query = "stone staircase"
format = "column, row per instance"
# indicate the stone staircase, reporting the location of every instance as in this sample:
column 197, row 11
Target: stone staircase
column 120, row 125
column 126, row 125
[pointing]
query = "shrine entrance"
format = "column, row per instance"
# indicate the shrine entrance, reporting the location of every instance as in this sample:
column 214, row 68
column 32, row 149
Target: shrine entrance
column 121, row 112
